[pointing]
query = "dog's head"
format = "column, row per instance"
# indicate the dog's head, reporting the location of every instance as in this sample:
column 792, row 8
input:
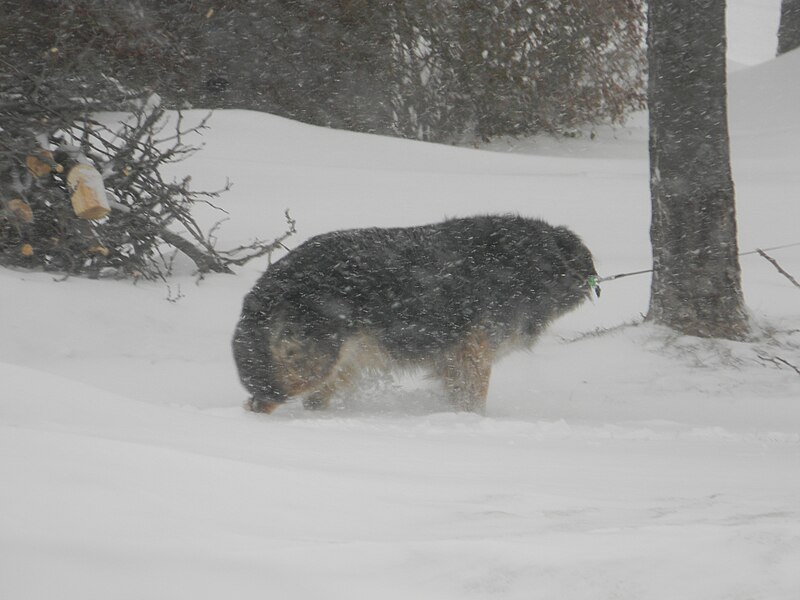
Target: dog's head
column 575, row 271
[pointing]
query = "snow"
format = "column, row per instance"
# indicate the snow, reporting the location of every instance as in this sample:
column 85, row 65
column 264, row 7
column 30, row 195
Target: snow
column 616, row 461
column 752, row 31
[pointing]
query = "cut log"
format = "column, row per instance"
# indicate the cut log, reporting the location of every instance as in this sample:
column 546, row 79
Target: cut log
column 88, row 194
column 20, row 210
column 42, row 163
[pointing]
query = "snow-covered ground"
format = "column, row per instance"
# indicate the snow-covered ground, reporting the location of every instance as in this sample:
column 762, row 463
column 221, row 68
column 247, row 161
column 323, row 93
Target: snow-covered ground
column 616, row 461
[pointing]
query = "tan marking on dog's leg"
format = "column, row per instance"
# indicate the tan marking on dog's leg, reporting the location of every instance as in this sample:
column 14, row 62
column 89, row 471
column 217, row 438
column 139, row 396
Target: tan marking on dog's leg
column 466, row 370
column 303, row 369
column 320, row 399
column 262, row 407
column 339, row 376
column 358, row 354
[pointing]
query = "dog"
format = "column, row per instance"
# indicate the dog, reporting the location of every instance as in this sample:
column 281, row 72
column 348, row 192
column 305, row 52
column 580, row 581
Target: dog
column 449, row 298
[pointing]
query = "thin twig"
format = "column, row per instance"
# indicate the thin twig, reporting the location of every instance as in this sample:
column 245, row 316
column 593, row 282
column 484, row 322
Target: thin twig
column 777, row 266
column 778, row 361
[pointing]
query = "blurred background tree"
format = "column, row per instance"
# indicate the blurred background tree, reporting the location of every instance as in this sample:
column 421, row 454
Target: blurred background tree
column 789, row 28
column 436, row 70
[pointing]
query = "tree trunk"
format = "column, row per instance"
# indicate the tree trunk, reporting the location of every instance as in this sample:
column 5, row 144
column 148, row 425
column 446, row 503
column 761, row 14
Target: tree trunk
column 696, row 287
column 789, row 30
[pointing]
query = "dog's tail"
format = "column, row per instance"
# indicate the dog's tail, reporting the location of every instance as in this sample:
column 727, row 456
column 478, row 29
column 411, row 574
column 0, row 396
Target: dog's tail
column 254, row 361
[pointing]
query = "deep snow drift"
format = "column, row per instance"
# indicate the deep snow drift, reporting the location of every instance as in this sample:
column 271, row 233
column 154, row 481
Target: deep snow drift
column 616, row 461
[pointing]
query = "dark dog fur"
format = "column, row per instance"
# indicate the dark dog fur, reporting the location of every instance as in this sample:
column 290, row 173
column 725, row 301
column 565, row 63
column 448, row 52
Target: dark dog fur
column 448, row 297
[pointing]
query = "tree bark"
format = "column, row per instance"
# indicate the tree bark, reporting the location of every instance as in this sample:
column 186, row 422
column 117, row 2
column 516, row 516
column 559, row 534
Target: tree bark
column 696, row 286
column 789, row 30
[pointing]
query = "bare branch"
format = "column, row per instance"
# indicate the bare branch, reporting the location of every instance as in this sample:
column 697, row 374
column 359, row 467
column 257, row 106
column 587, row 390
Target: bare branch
column 777, row 266
column 778, row 361
column 147, row 207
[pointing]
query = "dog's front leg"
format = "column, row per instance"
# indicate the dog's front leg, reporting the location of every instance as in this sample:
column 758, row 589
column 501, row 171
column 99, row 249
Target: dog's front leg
column 466, row 370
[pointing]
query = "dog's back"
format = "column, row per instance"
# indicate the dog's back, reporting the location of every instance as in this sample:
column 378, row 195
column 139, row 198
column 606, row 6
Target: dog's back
column 448, row 297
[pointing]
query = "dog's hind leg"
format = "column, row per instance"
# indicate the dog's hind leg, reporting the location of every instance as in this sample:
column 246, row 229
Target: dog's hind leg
column 339, row 377
column 305, row 367
column 466, row 369
column 320, row 398
column 358, row 354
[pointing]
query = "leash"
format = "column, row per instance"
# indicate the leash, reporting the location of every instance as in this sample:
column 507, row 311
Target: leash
column 756, row 251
